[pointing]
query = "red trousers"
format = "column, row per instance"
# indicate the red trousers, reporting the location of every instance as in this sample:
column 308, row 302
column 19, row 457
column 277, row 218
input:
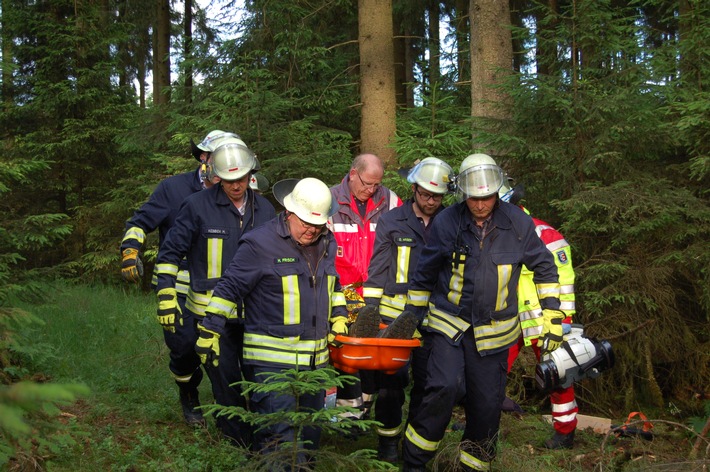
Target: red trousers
column 564, row 406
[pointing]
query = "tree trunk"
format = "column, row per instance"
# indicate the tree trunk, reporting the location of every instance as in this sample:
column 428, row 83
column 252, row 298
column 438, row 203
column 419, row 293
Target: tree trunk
column 377, row 91
column 463, row 64
column 491, row 57
column 434, row 41
column 8, row 98
column 161, row 54
column 187, row 51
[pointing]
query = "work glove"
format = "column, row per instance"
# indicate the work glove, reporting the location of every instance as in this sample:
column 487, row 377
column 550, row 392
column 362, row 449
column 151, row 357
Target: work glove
column 169, row 313
column 551, row 330
column 207, row 346
column 338, row 326
column 131, row 266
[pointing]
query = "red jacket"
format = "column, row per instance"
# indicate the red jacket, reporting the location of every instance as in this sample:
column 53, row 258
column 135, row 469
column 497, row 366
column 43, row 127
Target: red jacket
column 355, row 236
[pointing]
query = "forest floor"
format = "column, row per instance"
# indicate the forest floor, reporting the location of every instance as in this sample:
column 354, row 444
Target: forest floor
column 108, row 339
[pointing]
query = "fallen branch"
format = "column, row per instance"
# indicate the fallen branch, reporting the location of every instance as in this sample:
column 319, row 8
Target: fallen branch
column 696, row 447
column 701, row 436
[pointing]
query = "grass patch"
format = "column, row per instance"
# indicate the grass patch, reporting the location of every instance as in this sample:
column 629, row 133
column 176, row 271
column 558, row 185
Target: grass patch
column 108, row 339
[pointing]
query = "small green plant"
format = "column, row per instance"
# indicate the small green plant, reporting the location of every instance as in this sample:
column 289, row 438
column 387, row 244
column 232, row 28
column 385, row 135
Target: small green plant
column 297, row 383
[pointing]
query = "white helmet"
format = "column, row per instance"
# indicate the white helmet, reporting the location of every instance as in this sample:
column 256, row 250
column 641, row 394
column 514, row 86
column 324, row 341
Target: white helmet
column 479, row 176
column 232, row 159
column 432, row 174
column 311, row 201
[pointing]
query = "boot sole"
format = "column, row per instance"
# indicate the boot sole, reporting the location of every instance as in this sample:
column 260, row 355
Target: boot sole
column 367, row 323
column 402, row 327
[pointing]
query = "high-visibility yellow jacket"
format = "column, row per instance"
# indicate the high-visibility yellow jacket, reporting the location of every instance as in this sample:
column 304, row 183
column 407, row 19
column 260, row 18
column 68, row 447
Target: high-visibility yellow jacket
column 529, row 309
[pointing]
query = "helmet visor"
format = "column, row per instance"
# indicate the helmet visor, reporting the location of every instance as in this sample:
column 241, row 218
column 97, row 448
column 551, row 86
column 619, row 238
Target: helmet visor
column 480, row 181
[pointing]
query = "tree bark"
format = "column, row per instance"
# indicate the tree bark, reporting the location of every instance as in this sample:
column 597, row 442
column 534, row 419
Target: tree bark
column 161, row 54
column 187, row 51
column 8, row 98
column 434, row 41
column 491, row 57
column 377, row 91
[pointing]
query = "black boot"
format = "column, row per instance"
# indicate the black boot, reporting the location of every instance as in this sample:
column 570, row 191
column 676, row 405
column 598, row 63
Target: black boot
column 367, row 323
column 402, row 327
column 190, row 400
column 388, row 449
column 560, row 441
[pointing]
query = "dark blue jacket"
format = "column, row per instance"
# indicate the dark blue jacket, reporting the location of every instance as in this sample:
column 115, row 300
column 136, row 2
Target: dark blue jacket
column 288, row 302
column 399, row 242
column 206, row 231
column 159, row 212
column 472, row 282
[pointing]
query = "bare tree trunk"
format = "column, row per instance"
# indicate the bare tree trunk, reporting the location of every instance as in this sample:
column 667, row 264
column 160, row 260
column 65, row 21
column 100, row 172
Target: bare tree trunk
column 434, row 41
column 161, row 54
column 8, row 97
column 187, row 51
column 400, row 62
column 377, row 91
column 491, row 57
column 463, row 64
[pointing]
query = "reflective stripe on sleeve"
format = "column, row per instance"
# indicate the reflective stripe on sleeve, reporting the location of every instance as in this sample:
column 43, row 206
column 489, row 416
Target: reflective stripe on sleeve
column 418, row 297
column 372, row 292
column 167, row 269
column 134, row 232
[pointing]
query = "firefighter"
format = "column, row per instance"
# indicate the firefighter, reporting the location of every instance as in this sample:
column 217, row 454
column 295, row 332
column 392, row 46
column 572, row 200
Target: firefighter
column 159, row 213
column 206, row 232
column 564, row 405
column 361, row 200
column 400, row 237
column 285, row 273
column 467, row 277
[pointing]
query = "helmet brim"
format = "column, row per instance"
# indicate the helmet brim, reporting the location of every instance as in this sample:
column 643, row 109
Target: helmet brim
column 282, row 188
column 196, row 151
column 282, row 191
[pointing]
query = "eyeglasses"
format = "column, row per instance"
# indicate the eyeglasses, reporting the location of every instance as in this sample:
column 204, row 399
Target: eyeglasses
column 429, row 196
column 307, row 225
column 366, row 185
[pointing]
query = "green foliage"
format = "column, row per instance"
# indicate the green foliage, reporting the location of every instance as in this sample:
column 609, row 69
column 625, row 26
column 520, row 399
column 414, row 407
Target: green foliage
column 296, row 383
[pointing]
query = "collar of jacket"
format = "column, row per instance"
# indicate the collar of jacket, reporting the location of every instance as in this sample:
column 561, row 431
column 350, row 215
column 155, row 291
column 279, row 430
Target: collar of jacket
column 222, row 199
column 345, row 198
column 283, row 231
column 499, row 219
column 409, row 210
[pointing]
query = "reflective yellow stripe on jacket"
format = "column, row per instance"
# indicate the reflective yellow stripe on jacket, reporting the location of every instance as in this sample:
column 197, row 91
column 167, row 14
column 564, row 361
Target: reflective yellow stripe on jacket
column 214, row 258
column 497, row 335
column 223, row 307
column 289, row 351
column 449, row 325
column 134, row 232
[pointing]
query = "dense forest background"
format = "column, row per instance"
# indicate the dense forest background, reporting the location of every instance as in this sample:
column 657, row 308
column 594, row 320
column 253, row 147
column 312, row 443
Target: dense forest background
column 600, row 108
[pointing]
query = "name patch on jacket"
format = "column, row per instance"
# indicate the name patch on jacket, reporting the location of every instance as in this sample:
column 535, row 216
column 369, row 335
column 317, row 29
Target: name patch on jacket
column 404, row 239
column 562, row 257
column 285, row 260
column 221, row 231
